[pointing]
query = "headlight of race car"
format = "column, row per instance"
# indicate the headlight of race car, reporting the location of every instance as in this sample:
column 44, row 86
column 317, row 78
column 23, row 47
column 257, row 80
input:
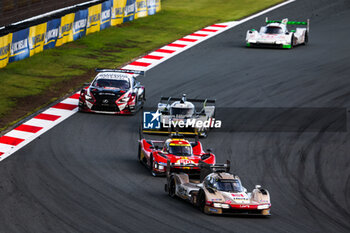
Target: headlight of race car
column 217, row 205
column 125, row 99
column 221, row 205
column 88, row 97
column 225, row 206
column 281, row 42
column 260, row 207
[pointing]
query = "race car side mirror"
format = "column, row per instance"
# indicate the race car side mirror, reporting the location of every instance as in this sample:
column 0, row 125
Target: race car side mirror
column 209, row 150
column 287, row 33
column 211, row 190
column 205, row 156
column 257, row 186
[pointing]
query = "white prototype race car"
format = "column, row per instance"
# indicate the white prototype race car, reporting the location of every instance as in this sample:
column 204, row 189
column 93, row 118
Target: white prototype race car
column 275, row 34
column 217, row 191
column 181, row 115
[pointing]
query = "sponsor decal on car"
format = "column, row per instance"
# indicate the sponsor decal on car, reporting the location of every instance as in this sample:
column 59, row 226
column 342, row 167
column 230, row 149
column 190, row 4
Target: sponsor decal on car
column 237, row 195
column 184, row 161
column 110, row 88
column 106, row 93
column 115, row 76
column 213, row 210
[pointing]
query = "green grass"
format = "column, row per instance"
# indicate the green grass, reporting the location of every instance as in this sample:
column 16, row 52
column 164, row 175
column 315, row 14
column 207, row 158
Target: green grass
column 115, row 46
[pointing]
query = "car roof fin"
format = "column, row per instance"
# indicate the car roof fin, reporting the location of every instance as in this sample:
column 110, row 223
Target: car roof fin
column 168, row 101
column 183, row 99
column 206, row 169
column 204, row 105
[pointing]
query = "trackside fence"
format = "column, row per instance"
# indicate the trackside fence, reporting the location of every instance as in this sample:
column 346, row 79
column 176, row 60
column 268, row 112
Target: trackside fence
column 26, row 39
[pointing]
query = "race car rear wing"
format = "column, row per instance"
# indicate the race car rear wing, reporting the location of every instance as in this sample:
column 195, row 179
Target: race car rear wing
column 165, row 99
column 205, row 169
column 139, row 72
column 168, row 132
column 169, row 167
column 307, row 23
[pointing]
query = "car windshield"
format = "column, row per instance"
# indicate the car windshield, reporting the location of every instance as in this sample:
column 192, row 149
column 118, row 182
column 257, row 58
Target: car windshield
column 181, row 111
column 180, row 150
column 273, row 30
column 229, row 186
column 112, row 83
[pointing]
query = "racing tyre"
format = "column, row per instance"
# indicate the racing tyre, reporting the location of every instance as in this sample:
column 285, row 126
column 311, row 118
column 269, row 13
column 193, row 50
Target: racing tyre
column 201, row 200
column 292, row 43
column 139, row 154
column 80, row 109
column 151, row 166
column 139, row 103
column 172, row 188
column 133, row 112
column 143, row 98
column 306, row 38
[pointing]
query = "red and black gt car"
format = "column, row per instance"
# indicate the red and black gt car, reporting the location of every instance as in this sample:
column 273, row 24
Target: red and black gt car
column 113, row 92
column 154, row 154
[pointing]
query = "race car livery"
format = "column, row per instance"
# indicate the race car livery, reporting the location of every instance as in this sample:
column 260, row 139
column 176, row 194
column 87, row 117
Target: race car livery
column 218, row 191
column 181, row 115
column 275, row 34
column 113, row 92
column 179, row 151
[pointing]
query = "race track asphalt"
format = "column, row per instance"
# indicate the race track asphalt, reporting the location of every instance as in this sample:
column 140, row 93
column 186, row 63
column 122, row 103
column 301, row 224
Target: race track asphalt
column 83, row 176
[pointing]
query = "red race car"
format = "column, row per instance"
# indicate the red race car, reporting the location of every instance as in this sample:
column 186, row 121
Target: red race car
column 154, row 155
